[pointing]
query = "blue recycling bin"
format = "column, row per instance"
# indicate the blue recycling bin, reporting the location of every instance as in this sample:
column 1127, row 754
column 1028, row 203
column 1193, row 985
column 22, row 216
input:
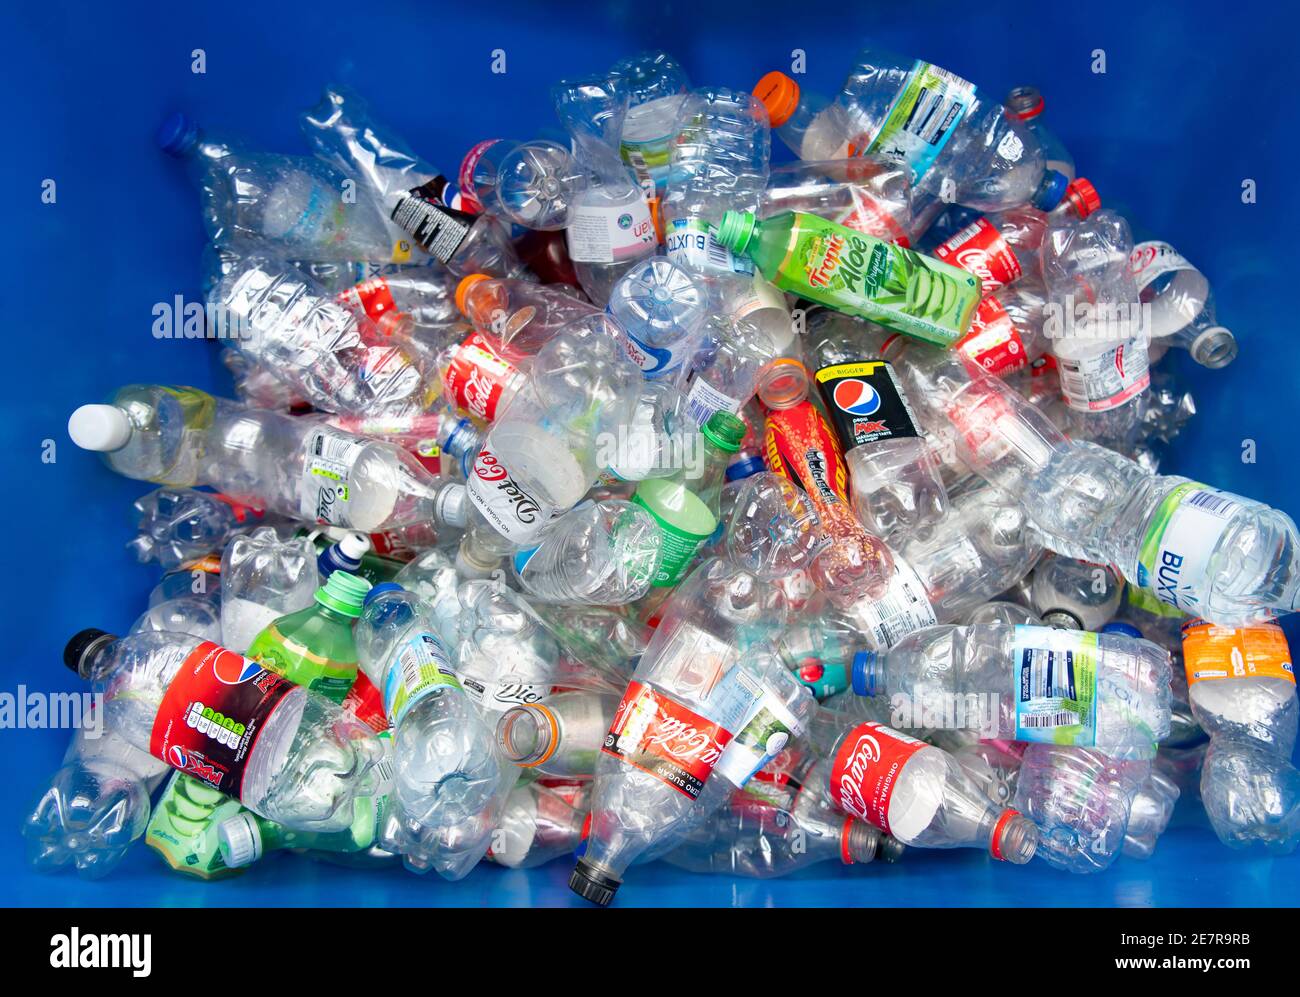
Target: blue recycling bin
column 1189, row 108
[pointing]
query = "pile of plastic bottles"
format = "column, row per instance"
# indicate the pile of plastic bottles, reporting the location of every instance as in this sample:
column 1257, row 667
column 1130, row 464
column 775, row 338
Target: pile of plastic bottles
column 634, row 498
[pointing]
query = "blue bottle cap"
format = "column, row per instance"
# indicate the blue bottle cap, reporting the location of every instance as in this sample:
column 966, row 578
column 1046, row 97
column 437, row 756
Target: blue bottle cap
column 745, row 467
column 1124, row 629
column 1051, row 190
column 864, row 673
column 377, row 590
column 178, row 134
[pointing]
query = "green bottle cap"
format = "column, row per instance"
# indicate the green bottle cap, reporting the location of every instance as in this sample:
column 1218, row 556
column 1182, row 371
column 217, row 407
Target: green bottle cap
column 344, row 593
column 737, row 229
column 724, row 431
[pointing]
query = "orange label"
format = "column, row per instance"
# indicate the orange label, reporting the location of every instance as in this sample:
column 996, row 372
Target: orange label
column 1214, row 652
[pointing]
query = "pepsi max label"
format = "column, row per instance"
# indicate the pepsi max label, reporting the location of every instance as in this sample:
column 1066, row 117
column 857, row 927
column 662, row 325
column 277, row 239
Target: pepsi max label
column 865, row 402
column 212, row 713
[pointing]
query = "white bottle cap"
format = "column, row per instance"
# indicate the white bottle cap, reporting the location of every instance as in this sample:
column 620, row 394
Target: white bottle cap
column 354, row 545
column 240, row 839
column 99, row 427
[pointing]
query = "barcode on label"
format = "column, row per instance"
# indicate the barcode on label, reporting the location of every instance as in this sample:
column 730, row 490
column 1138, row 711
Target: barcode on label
column 1065, row 718
column 703, row 400
column 1209, row 502
column 719, row 255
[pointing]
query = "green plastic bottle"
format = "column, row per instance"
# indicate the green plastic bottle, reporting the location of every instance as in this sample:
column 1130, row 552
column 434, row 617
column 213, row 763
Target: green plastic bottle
column 856, row 273
column 686, row 508
column 314, row 646
column 245, row 837
column 183, row 827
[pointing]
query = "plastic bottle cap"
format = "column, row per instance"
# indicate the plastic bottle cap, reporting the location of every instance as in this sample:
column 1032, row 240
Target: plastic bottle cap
column 1051, row 190
column 724, row 431
column 1083, row 196
column 1123, row 629
column 736, row 229
column 1024, row 103
column 344, row 593
column 779, row 94
column 377, row 590
column 354, row 545
column 451, row 506
column 178, row 134
column 864, row 673
column 746, row 467
column 592, row 885
column 462, row 289
column 240, row 840
column 82, row 645
column 104, row 428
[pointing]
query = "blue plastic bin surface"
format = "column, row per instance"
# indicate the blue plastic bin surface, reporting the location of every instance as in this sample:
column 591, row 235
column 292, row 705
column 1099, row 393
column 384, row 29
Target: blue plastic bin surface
column 1192, row 103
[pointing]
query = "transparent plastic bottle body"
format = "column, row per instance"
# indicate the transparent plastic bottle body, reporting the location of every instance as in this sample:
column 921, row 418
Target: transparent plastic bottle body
column 1149, row 814
column 870, row 194
column 1126, row 709
column 540, row 824
column 505, row 655
column 1181, row 306
column 1081, row 800
column 188, row 614
column 1251, row 795
column 967, row 149
column 95, row 805
column 1077, row 595
column 307, row 765
column 336, row 360
column 661, row 311
column 449, row 780
column 178, row 525
column 656, row 85
column 811, row 125
column 296, row 204
column 1026, row 104
column 603, row 553
column 725, row 371
column 610, row 228
column 920, row 795
column 720, row 162
column 263, row 578
column 522, row 315
column 559, row 736
column 418, row 299
column 531, row 184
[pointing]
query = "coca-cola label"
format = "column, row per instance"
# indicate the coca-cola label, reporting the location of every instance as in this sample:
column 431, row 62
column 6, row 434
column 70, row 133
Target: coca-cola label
column 504, row 502
column 665, row 739
column 866, row 769
column 477, row 377
column 979, row 249
column 366, row 703
column 993, row 342
column 372, row 298
column 212, row 713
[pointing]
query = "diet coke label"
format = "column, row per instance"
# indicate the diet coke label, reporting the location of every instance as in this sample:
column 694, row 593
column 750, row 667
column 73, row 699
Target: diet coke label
column 979, row 249
column 505, row 503
column 866, row 769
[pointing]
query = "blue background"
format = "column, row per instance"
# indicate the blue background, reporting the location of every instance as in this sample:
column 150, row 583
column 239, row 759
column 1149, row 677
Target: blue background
column 1195, row 98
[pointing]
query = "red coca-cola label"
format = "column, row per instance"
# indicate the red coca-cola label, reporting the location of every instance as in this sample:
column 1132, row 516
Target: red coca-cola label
column 241, row 511
column 800, row 445
column 665, row 739
column 993, row 342
column 212, row 713
column 866, row 768
column 979, row 249
column 870, row 217
column 366, row 703
column 477, row 377
column 373, row 298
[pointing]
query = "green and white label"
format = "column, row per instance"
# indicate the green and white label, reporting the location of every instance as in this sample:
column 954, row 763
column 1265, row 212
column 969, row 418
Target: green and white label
column 421, row 667
column 923, row 117
column 1055, row 685
column 1181, row 537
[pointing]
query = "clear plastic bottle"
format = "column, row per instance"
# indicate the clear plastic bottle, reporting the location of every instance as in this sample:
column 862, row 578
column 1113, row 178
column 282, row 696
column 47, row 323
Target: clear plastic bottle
column 1026, row 105
column 811, row 125
column 178, row 525
column 610, row 227
column 1181, row 306
column 263, row 578
column 416, row 299
column 506, row 654
column 532, row 184
column 557, row 737
column 1251, row 795
column 520, row 315
column 603, row 553
column 870, row 194
column 95, row 805
column 656, row 86
column 726, row 370
column 541, row 823
column 661, row 311
column 720, row 161
column 186, row 614
column 964, row 148
column 450, row 783
column 920, row 795
column 1076, row 595
column 1149, row 814
column 1033, row 683
column 307, row 763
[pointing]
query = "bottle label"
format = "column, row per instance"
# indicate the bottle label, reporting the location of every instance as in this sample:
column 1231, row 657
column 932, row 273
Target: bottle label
column 654, row 361
column 1055, row 690
column 800, row 445
column 923, row 117
column 1107, row 379
column 420, row 668
column 866, row 402
column 880, row 281
column 980, row 249
column 1148, row 603
column 438, row 229
column 691, row 244
column 764, row 733
column 993, row 341
column 678, row 547
column 605, row 234
column 1150, row 260
column 507, row 505
column 324, row 493
column 366, row 703
column 703, row 400
column 1183, row 533
column 501, row 695
column 665, row 739
column 211, row 714
column 372, row 298
column 869, row 216
column 477, row 377
column 1212, row 652
column 469, row 196
column 903, row 609
column 650, row 160
column 865, row 771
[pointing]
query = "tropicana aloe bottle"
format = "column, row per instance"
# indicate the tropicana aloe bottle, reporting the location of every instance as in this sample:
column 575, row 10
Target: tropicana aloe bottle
column 855, row 273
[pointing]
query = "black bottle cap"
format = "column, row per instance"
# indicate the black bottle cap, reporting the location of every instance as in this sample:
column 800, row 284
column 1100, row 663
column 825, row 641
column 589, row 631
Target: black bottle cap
column 81, row 643
column 592, row 885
